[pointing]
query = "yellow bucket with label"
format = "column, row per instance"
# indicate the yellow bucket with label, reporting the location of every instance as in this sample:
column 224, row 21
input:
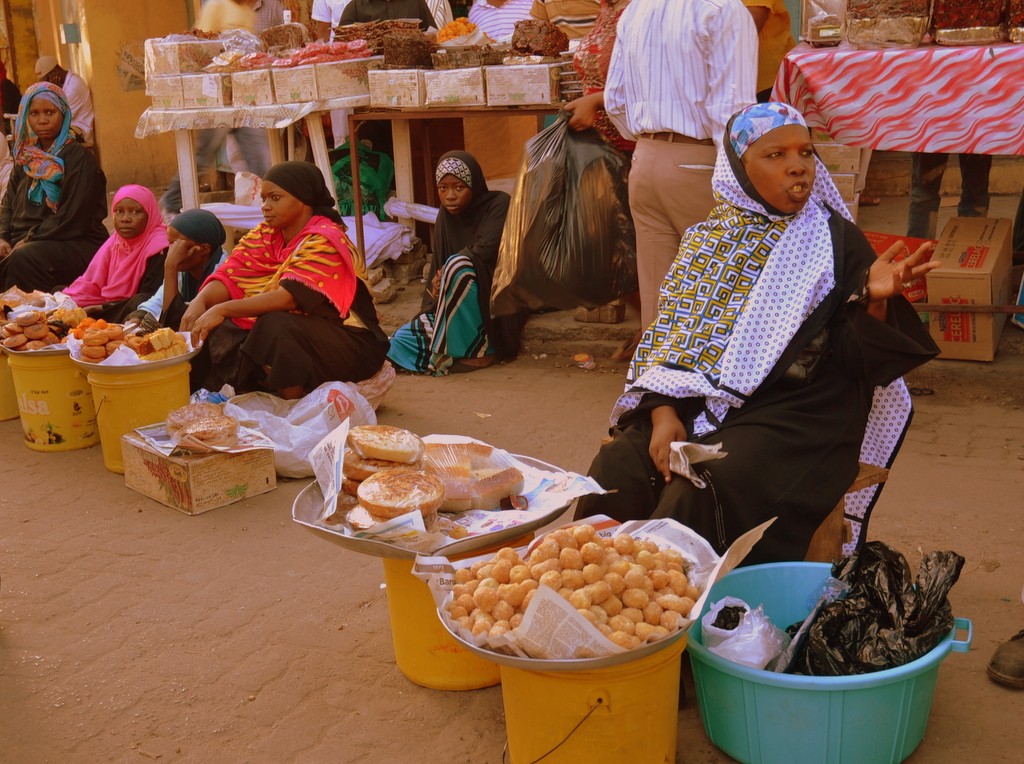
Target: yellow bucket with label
column 54, row 401
column 622, row 713
column 8, row 398
column 132, row 396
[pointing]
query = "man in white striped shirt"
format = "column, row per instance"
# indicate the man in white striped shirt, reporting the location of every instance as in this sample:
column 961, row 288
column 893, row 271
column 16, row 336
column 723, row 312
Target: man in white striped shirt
column 679, row 70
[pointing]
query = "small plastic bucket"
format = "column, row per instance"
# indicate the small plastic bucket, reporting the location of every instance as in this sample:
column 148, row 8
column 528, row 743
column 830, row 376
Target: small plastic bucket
column 763, row 717
column 628, row 712
column 129, row 399
column 8, row 398
column 54, row 402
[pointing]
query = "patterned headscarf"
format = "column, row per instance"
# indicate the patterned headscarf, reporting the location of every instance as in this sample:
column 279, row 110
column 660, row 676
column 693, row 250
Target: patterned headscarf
column 453, row 165
column 742, row 284
column 45, row 168
column 759, row 119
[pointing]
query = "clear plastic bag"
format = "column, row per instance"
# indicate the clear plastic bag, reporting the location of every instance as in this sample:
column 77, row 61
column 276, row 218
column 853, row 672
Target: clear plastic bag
column 753, row 641
column 569, row 238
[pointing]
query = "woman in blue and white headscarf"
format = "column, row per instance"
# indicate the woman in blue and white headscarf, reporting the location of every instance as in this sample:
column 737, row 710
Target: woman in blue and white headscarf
column 781, row 336
column 51, row 220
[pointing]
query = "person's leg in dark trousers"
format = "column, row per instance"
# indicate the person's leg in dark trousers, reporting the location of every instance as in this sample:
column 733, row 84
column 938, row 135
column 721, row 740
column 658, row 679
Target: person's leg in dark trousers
column 974, row 172
column 925, row 182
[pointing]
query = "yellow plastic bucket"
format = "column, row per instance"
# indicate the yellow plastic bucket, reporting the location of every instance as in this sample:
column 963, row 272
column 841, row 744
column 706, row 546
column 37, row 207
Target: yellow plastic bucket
column 129, row 399
column 623, row 713
column 424, row 650
column 54, row 402
column 8, row 398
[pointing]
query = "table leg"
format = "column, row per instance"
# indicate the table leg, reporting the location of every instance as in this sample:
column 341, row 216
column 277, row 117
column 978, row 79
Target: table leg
column 277, row 153
column 315, row 128
column 187, row 175
column 357, row 189
column 403, row 166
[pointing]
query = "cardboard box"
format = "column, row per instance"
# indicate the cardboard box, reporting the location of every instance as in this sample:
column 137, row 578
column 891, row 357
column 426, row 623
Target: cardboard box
column 165, row 91
column 847, row 184
column 455, row 87
column 203, row 91
column 252, row 88
column 343, row 79
column 975, row 254
column 522, row 84
column 854, row 207
column 163, row 57
column 198, row 483
column 838, row 158
column 917, row 291
column 396, row 88
column 295, row 84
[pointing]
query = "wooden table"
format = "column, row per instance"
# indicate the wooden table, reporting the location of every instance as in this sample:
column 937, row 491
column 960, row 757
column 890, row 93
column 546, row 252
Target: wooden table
column 277, row 119
column 400, row 120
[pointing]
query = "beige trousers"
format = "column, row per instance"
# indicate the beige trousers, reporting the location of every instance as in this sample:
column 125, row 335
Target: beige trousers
column 669, row 191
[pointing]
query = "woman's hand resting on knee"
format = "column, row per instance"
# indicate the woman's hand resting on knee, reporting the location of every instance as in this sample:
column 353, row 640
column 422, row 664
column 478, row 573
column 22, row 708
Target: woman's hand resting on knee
column 668, row 428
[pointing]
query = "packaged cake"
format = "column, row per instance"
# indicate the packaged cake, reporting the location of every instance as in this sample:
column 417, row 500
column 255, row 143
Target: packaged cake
column 886, row 23
column 981, row 22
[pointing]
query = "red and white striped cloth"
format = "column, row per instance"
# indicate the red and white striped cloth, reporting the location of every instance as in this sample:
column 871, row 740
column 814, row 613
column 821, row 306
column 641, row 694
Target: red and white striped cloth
column 958, row 100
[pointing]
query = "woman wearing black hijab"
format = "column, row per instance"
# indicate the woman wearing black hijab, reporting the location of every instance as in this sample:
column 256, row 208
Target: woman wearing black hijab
column 454, row 332
column 287, row 311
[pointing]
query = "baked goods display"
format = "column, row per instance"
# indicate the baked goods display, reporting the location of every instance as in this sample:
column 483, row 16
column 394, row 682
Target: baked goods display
column 533, row 37
column 394, row 492
column 31, row 330
column 100, row 340
column 158, row 345
column 632, row 591
column 381, row 441
column 475, row 475
column 205, row 422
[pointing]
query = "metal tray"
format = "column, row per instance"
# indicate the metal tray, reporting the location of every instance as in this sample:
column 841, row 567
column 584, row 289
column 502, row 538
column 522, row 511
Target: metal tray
column 139, row 367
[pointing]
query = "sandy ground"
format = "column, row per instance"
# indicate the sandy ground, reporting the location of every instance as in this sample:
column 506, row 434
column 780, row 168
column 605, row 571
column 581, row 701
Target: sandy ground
column 131, row 632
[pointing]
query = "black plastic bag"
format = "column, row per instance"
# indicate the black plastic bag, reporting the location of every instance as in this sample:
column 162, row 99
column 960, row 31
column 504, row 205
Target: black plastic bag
column 887, row 619
column 568, row 239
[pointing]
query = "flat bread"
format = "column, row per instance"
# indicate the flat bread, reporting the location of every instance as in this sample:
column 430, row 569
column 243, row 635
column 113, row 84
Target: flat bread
column 357, row 468
column 213, row 431
column 394, row 492
column 381, row 441
column 191, row 413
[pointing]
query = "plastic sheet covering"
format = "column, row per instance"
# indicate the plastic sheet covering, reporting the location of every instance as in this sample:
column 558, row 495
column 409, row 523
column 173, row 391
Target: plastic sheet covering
column 887, row 619
column 569, row 237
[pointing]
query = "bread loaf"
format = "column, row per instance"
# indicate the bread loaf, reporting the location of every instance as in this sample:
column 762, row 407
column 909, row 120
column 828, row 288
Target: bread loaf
column 394, row 492
column 475, row 476
column 381, row 441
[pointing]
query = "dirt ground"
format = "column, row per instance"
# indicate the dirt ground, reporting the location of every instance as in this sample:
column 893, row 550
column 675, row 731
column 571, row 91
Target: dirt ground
column 130, row 632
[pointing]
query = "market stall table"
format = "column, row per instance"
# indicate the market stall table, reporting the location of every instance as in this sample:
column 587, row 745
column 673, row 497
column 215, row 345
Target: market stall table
column 935, row 99
column 400, row 119
column 275, row 118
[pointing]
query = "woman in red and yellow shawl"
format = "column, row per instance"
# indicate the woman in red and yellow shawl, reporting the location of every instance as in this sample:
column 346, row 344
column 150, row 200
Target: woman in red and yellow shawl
column 287, row 311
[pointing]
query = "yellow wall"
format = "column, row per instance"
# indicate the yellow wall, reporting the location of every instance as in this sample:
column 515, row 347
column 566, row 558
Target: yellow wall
column 23, row 42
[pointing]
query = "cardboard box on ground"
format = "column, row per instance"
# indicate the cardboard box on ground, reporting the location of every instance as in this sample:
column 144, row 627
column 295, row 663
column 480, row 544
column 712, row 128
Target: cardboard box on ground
column 976, row 255
column 197, row 483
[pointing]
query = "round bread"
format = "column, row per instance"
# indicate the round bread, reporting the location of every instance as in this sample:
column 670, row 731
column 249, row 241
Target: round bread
column 192, row 413
column 96, row 337
column 358, row 468
column 349, row 487
column 391, row 493
column 214, row 431
column 10, row 329
column 33, row 345
column 381, row 441
column 36, row 331
column 93, row 353
column 15, row 341
column 31, row 317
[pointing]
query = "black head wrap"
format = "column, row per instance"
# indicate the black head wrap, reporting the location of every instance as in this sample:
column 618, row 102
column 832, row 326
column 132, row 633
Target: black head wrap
column 305, row 182
column 202, row 227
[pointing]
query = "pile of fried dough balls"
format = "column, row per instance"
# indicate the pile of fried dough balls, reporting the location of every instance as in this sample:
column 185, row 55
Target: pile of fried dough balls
column 632, row 591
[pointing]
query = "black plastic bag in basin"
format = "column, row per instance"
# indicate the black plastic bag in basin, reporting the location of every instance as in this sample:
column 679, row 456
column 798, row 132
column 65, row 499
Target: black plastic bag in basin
column 887, row 619
column 568, row 239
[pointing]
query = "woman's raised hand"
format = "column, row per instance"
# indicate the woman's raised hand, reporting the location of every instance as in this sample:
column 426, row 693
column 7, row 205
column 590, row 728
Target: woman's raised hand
column 888, row 277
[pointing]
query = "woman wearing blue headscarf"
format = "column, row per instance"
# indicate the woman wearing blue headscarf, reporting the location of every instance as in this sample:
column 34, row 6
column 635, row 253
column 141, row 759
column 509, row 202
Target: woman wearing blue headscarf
column 51, row 219
column 781, row 336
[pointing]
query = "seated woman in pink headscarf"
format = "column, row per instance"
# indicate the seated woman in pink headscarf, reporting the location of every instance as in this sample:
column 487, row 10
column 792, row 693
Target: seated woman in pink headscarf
column 129, row 267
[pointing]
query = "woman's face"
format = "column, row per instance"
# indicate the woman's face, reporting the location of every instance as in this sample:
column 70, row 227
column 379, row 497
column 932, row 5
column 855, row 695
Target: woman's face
column 280, row 209
column 195, row 253
column 45, row 119
column 130, row 218
column 780, row 164
column 454, row 194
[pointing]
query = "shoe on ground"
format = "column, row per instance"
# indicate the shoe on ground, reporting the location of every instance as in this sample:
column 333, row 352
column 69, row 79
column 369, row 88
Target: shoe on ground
column 1007, row 664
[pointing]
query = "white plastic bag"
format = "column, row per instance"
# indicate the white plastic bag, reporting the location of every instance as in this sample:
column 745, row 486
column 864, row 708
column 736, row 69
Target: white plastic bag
column 297, row 426
column 754, row 641
column 247, row 189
